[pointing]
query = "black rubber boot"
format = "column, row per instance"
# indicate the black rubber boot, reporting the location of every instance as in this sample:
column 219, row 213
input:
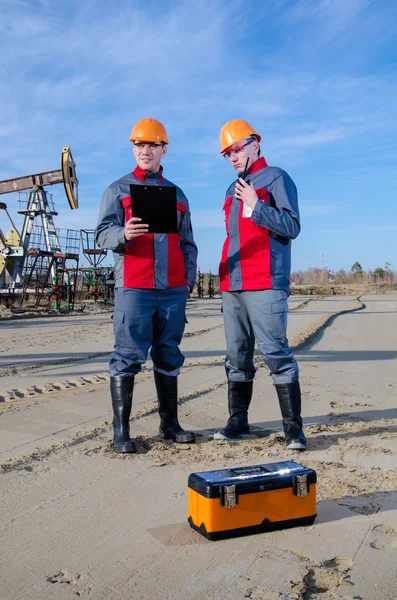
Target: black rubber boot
column 289, row 396
column 239, row 398
column 167, row 394
column 121, row 389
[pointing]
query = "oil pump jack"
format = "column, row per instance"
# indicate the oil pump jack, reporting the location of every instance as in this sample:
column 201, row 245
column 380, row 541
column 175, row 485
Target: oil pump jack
column 16, row 249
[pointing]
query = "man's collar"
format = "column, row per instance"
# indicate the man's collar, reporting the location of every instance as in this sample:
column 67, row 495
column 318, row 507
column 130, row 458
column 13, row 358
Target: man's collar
column 142, row 174
column 259, row 164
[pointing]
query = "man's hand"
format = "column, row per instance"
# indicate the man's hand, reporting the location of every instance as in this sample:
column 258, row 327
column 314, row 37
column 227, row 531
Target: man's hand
column 246, row 193
column 134, row 228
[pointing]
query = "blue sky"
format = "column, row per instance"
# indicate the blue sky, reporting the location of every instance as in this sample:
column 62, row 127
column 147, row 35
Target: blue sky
column 317, row 79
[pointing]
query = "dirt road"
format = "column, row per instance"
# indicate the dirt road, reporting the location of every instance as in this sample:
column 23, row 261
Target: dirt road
column 77, row 520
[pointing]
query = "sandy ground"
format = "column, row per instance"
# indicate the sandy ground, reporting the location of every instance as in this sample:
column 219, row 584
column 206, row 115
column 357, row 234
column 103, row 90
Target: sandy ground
column 78, row 520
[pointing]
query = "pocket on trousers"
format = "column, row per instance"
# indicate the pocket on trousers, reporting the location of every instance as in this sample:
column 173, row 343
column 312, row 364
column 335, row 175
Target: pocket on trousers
column 119, row 327
column 280, row 306
column 279, row 319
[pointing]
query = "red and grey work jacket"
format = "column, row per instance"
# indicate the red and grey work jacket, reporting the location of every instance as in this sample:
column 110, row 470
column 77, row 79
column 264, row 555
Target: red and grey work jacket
column 150, row 261
column 256, row 254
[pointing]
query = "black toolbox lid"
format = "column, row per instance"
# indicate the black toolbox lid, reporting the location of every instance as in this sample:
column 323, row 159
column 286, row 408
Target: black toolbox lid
column 250, row 479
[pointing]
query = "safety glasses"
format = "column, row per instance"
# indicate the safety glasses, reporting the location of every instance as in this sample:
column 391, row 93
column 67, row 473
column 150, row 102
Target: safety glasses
column 149, row 145
column 237, row 149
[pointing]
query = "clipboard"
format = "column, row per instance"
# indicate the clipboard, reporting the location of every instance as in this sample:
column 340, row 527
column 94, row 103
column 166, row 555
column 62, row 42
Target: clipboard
column 156, row 206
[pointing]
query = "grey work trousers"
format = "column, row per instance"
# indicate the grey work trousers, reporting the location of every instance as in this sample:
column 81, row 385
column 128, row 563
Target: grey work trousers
column 261, row 316
column 148, row 319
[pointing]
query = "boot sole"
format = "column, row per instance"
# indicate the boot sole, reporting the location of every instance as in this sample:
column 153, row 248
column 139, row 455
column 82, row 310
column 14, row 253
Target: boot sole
column 221, row 436
column 170, row 437
column 124, row 450
column 296, row 446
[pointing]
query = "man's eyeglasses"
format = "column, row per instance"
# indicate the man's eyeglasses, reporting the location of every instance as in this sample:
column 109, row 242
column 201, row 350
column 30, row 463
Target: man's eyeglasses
column 149, row 145
column 237, row 149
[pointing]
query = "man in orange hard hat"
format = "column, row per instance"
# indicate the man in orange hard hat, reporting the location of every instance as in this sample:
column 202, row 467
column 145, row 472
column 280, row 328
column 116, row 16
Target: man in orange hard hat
column 262, row 217
column 154, row 274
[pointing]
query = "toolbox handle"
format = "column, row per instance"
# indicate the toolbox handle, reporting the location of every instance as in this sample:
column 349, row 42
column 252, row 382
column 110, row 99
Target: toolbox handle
column 249, row 470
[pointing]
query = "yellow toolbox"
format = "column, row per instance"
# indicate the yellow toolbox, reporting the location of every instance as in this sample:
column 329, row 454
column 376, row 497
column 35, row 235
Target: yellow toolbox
column 245, row 500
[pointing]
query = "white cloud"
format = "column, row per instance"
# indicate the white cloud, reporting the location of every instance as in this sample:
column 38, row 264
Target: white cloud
column 317, row 138
column 364, row 229
column 81, row 218
column 314, row 210
column 333, row 16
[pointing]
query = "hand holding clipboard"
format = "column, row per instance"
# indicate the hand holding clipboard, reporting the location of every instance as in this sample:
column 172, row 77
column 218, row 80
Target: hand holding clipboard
column 134, row 228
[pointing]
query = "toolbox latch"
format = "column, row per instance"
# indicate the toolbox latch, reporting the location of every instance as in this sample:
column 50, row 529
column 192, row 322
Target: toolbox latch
column 300, row 485
column 228, row 496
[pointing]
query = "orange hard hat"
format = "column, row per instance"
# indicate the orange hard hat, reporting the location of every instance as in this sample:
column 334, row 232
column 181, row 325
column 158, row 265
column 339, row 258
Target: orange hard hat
column 234, row 131
column 149, row 130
